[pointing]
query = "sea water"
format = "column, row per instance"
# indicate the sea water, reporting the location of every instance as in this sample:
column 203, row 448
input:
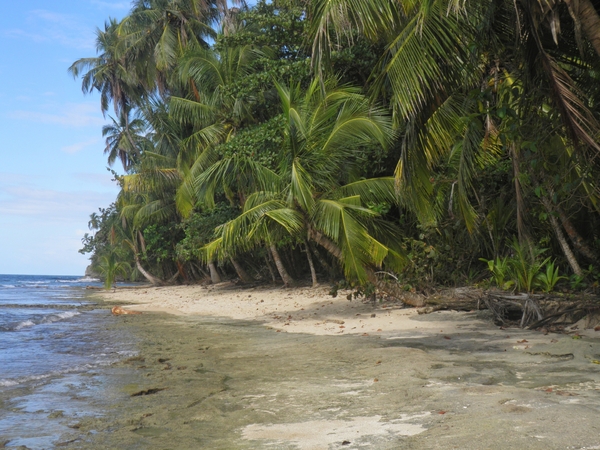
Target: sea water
column 51, row 340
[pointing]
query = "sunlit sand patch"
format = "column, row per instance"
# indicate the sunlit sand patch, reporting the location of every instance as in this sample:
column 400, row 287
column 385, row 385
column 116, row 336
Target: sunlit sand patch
column 320, row 434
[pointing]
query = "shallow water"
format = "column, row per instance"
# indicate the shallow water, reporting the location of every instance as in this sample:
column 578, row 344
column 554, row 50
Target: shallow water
column 51, row 339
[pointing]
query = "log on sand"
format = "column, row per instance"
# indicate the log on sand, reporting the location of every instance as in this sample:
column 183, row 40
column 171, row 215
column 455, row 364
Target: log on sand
column 118, row 311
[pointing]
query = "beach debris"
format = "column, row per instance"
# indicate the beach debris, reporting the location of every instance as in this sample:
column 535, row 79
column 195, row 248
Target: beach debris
column 118, row 311
column 340, row 322
column 147, row 392
column 346, row 443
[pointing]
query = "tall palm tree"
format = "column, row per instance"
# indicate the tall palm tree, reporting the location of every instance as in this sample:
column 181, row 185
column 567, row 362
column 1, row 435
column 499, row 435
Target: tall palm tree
column 109, row 73
column 158, row 32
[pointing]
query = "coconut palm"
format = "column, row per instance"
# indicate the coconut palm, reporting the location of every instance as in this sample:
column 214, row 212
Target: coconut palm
column 469, row 83
column 110, row 266
column 314, row 194
column 125, row 140
column 158, row 32
column 109, row 72
column 211, row 106
column 436, row 49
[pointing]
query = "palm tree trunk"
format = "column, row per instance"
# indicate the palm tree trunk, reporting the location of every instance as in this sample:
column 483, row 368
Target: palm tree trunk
column 313, row 273
column 173, row 278
column 328, row 267
column 151, row 278
column 575, row 237
column 521, row 230
column 585, row 16
column 270, row 269
column 561, row 238
column 214, row 273
column 181, row 271
column 195, row 268
column 326, row 243
column 285, row 276
column 241, row 272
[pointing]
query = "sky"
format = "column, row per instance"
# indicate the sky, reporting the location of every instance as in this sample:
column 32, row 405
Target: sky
column 52, row 165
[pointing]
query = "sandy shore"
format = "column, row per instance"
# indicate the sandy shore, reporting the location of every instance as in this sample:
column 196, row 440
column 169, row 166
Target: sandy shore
column 298, row 369
column 299, row 310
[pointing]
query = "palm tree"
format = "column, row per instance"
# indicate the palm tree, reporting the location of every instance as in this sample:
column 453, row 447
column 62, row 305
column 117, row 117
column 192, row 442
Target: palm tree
column 110, row 266
column 125, row 139
column 109, row 73
column 314, row 194
column 211, row 107
column 158, row 32
column 466, row 84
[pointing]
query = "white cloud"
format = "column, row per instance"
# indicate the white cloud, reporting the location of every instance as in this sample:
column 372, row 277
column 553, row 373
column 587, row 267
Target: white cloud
column 69, row 115
column 78, row 146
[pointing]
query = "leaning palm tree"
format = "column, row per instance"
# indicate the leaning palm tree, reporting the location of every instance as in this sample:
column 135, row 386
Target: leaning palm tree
column 315, row 192
column 469, row 82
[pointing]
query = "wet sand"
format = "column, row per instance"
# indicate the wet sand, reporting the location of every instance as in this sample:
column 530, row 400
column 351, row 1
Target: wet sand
column 222, row 374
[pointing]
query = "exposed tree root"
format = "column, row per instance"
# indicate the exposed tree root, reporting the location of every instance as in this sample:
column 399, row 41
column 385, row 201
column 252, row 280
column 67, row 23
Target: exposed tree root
column 532, row 311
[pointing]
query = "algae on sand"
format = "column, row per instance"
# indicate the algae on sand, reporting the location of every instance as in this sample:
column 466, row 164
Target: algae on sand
column 231, row 384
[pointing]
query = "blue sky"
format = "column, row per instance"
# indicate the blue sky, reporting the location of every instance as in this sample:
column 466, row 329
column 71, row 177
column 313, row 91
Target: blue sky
column 53, row 171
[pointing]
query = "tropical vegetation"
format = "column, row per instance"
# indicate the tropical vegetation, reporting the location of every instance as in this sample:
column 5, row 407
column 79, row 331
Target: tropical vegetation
column 440, row 141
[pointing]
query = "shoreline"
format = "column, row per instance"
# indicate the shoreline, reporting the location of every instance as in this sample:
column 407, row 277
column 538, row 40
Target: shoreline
column 230, row 367
column 293, row 310
column 298, row 310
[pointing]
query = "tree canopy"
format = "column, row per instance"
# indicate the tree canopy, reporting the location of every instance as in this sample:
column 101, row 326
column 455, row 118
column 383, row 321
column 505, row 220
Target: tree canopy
column 347, row 138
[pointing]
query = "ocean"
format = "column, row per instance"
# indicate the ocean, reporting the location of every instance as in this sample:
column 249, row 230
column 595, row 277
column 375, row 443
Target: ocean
column 53, row 344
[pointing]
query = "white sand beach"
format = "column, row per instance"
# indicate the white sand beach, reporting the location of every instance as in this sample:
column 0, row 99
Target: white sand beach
column 298, row 310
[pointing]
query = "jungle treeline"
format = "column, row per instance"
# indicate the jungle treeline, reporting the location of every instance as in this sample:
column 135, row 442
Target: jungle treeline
column 432, row 142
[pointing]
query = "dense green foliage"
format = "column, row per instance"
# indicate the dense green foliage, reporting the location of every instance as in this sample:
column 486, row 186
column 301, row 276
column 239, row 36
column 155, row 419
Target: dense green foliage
column 440, row 141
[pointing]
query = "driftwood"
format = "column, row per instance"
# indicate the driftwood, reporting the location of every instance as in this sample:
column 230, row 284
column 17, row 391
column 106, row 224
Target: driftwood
column 549, row 312
column 457, row 299
column 532, row 311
